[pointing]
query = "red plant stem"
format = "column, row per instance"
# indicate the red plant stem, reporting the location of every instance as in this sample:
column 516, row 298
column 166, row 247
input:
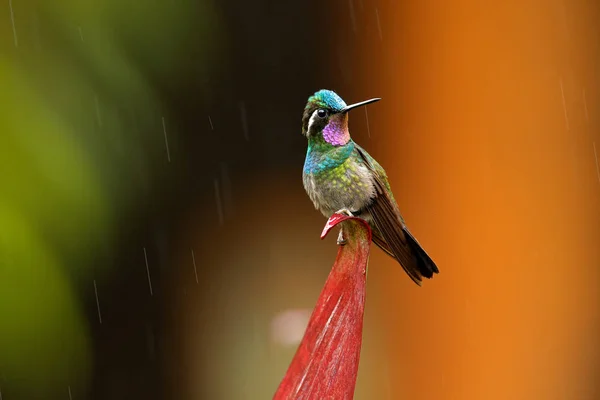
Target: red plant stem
column 325, row 365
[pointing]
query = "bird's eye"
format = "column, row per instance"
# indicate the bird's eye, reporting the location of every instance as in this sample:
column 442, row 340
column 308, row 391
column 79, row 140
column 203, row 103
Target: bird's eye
column 322, row 113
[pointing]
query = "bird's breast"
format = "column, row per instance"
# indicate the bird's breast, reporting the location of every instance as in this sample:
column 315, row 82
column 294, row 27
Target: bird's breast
column 346, row 185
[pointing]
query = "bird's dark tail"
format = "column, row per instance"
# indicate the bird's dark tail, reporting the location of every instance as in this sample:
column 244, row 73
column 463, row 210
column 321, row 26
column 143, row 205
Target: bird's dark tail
column 411, row 256
column 424, row 263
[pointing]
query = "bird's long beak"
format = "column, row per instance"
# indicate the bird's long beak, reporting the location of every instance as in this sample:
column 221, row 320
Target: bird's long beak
column 362, row 103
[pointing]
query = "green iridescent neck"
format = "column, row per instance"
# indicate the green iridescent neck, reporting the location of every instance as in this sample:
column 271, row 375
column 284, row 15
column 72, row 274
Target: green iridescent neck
column 317, row 143
column 322, row 156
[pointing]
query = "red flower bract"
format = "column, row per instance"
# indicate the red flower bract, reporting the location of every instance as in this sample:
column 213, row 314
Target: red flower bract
column 326, row 362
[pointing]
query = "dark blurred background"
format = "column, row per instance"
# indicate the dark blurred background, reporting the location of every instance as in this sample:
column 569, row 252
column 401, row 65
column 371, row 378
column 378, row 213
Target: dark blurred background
column 156, row 241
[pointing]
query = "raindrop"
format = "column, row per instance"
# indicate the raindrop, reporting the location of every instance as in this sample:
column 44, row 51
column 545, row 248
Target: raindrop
column 378, row 24
column 352, row 15
column 562, row 92
column 194, row 262
column 585, row 108
column 148, row 271
column 212, row 128
column 166, row 140
column 80, row 33
column 97, row 302
column 596, row 158
column 14, row 28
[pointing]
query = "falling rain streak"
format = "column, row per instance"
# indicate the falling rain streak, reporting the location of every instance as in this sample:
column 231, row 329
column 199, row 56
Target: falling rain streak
column 597, row 166
column 219, row 201
column 352, row 15
column 244, row 121
column 585, row 109
column 70, row 396
column 97, row 302
column 14, row 29
column 378, row 24
column 148, row 272
column 212, row 128
column 562, row 92
column 166, row 140
column 194, row 262
column 80, row 33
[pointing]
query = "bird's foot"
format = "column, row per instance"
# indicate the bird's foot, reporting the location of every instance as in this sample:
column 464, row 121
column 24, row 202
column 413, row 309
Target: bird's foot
column 341, row 240
column 345, row 211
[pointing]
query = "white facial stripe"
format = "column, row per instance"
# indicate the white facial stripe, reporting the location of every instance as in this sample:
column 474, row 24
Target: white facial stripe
column 311, row 121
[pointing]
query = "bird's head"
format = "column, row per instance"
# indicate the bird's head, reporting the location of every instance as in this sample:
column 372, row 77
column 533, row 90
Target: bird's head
column 326, row 115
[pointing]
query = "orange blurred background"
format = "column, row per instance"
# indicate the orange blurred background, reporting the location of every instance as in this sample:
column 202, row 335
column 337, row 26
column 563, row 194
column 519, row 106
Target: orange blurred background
column 492, row 157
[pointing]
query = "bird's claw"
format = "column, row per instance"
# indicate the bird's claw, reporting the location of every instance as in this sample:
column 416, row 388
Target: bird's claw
column 345, row 211
column 341, row 240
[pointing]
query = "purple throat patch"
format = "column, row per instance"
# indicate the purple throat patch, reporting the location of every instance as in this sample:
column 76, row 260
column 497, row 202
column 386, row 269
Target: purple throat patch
column 336, row 131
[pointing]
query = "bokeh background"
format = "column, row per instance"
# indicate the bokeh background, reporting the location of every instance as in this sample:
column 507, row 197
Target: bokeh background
column 156, row 242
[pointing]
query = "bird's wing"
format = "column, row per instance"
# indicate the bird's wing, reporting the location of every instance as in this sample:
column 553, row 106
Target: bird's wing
column 390, row 224
column 379, row 240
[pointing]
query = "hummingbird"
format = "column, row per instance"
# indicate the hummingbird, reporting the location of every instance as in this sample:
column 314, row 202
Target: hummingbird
column 339, row 176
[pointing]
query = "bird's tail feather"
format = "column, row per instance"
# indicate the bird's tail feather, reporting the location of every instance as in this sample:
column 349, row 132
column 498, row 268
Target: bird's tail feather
column 424, row 263
column 420, row 259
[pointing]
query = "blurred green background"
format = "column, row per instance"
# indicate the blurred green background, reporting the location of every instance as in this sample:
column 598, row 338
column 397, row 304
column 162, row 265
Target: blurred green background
column 84, row 96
